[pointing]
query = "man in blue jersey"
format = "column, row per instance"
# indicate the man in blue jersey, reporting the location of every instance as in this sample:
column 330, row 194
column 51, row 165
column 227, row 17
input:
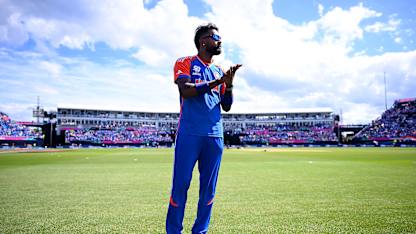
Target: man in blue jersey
column 204, row 89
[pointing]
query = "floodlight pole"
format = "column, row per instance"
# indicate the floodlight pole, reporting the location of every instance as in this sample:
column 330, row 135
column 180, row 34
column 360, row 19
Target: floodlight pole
column 37, row 109
column 339, row 126
column 50, row 135
column 385, row 91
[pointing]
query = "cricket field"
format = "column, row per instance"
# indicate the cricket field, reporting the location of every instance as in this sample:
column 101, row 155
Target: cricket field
column 273, row 190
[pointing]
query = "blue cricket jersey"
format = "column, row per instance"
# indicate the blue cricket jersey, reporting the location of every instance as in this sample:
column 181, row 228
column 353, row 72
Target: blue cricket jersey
column 200, row 115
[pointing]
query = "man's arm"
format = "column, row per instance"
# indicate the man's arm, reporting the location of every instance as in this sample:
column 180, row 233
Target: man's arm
column 187, row 89
column 227, row 99
column 227, row 96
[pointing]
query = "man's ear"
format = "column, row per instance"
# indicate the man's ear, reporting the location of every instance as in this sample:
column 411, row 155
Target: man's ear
column 201, row 42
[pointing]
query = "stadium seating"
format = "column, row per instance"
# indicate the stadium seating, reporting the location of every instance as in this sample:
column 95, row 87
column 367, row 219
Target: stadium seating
column 279, row 134
column 15, row 131
column 99, row 127
column 287, row 134
column 114, row 134
column 396, row 123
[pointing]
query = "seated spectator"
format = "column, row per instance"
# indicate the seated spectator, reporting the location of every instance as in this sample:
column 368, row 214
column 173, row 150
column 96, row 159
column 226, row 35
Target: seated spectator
column 114, row 134
column 277, row 133
column 396, row 123
column 9, row 128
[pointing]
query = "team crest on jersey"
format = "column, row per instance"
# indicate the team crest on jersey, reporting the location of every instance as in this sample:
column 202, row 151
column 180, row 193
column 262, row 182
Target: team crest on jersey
column 196, row 70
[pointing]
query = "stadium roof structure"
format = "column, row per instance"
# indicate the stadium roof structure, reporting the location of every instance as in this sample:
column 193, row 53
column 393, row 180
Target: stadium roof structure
column 278, row 111
column 120, row 108
column 404, row 100
column 286, row 110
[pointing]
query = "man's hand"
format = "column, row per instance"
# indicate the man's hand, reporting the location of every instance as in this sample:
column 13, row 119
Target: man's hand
column 228, row 77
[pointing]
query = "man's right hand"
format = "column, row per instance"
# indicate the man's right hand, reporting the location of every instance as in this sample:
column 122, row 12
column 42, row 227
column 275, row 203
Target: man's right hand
column 228, row 76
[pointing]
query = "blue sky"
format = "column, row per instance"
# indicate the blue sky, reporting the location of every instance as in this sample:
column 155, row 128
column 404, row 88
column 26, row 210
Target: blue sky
column 296, row 55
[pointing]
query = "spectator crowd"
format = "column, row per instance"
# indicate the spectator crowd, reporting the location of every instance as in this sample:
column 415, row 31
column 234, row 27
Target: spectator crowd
column 280, row 134
column 115, row 134
column 9, row 129
column 150, row 134
column 396, row 123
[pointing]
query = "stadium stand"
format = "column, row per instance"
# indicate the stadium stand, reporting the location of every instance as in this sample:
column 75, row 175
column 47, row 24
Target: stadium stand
column 14, row 133
column 397, row 124
column 103, row 127
column 144, row 135
column 75, row 126
column 287, row 134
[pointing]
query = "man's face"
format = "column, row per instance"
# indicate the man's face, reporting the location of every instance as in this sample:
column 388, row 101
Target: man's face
column 212, row 42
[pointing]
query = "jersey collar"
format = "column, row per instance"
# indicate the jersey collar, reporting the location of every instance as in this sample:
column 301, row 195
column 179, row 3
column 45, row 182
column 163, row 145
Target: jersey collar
column 202, row 61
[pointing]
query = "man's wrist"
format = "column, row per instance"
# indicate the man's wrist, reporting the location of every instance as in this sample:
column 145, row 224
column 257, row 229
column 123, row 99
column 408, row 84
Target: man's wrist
column 214, row 83
column 229, row 87
column 202, row 87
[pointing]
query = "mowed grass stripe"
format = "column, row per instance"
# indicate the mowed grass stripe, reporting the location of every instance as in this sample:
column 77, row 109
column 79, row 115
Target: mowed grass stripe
column 301, row 190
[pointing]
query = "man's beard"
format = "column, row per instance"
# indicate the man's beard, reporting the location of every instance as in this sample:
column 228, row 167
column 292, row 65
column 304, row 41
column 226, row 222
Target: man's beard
column 216, row 50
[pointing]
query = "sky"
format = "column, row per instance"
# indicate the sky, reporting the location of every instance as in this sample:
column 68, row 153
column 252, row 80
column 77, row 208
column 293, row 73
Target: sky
column 119, row 55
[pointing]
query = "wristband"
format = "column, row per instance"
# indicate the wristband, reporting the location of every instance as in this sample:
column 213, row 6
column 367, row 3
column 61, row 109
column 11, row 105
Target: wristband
column 202, row 87
column 230, row 88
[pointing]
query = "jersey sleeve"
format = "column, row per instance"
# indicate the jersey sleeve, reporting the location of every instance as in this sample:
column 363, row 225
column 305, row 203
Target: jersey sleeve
column 182, row 68
column 222, row 86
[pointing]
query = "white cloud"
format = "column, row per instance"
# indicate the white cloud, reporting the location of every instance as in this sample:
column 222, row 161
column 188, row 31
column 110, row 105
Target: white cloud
column 84, row 83
column 20, row 111
column 398, row 40
column 53, row 69
column 366, row 112
column 320, row 9
column 284, row 65
column 151, row 57
column 391, row 26
column 309, row 65
column 380, row 49
column 122, row 25
column 344, row 25
column 14, row 32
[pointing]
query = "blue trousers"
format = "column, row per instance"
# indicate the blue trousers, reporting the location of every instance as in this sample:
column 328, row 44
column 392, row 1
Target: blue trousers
column 207, row 151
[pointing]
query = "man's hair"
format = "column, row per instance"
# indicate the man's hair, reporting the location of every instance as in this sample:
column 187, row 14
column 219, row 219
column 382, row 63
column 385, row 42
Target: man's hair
column 201, row 30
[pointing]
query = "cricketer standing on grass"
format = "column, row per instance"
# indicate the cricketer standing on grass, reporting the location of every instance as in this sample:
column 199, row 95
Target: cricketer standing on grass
column 204, row 89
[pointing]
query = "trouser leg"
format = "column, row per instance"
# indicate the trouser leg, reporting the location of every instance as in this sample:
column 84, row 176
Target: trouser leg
column 187, row 149
column 208, row 165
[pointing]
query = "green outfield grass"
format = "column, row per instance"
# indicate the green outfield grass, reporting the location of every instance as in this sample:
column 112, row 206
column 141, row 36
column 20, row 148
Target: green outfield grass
column 297, row 190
